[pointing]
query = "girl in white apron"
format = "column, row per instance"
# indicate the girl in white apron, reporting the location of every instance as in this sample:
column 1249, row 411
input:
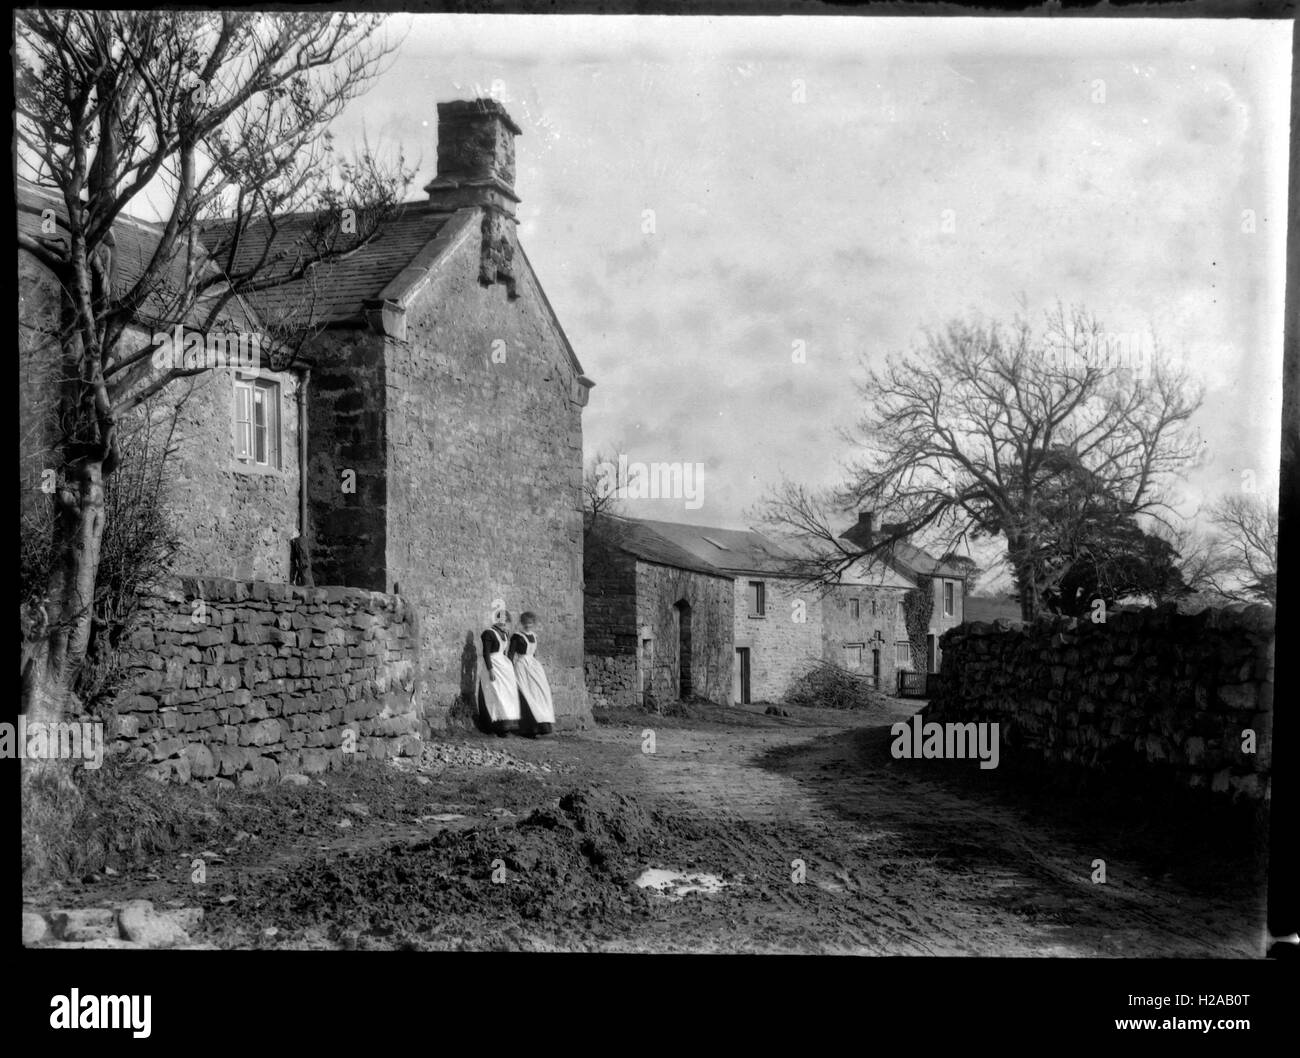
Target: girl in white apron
column 498, row 693
column 534, row 690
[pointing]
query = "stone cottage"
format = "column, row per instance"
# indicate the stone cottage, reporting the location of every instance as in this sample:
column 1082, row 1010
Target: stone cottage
column 426, row 444
column 444, row 417
column 915, row 567
column 666, row 598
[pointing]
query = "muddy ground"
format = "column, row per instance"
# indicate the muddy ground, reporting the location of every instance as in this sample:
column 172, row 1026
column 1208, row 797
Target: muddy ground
column 814, row 837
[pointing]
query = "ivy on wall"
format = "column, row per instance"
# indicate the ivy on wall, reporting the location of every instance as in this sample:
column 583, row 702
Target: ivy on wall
column 918, row 605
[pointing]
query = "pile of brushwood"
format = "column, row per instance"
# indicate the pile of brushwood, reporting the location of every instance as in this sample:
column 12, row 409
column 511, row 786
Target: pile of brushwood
column 827, row 686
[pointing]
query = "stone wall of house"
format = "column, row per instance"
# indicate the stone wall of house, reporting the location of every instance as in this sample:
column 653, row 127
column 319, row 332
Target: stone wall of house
column 231, row 520
column 783, row 641
column 347, row 459
column 877, row 627
column 484, row 434
column 939, row 621
column 708, row 609
column 235, row 520
column 609, row 616
column 1151, row 693
column 236, row 682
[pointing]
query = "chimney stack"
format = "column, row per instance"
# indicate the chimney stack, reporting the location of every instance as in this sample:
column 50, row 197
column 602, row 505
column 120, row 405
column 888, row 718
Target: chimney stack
column 866, row 527
column 476, row 157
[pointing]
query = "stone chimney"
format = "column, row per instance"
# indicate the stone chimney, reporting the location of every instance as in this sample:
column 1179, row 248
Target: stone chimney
column 476, row 168
column 865, row 530
column 476, row 157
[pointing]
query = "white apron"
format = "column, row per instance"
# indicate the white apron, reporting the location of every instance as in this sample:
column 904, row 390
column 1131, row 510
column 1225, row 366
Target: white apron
column 501, row 694
column 533, row 686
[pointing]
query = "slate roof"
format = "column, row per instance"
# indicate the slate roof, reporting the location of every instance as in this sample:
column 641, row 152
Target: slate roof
column 340, row 286
column 135, row 241
column 641, row 540
column 913, row 559
column 741, row 550
column 334, row 292
column 393, row 262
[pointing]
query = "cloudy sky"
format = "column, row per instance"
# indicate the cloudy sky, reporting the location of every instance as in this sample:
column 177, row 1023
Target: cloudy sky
column 847, row 182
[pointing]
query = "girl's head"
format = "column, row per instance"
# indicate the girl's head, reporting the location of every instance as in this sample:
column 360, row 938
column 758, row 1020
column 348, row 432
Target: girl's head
column 502, row 619
column 528, row 621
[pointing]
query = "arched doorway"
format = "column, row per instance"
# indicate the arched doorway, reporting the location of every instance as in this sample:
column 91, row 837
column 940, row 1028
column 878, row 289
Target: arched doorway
column 682, row 616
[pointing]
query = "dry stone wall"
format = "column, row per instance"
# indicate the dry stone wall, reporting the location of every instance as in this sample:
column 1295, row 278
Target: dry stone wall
column 239, row 682
column 1148, row 694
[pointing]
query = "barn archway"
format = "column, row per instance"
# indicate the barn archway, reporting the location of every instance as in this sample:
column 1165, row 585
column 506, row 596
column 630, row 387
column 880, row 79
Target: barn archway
column 682, row 609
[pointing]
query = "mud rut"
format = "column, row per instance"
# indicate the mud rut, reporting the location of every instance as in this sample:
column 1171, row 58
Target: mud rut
column 899, row 864
column 898, row 857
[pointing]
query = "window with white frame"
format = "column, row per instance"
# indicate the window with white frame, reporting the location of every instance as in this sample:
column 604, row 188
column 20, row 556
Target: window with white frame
column 853, row 655
column 757, row 598
column 948, row 599
column 853, row 609
column 903, row 654
column 257, row 422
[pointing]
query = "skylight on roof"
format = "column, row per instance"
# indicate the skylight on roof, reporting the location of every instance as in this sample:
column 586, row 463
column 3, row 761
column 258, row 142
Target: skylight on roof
column 720, row 547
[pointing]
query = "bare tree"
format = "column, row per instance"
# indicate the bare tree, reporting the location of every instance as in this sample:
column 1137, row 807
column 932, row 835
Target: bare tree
column 221, row 115
column 1247, row 530
column 602, row 489
column 999, row 431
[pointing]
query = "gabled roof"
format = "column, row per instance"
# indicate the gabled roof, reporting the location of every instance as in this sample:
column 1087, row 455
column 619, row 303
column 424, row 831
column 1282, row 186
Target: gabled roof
column 640, row 540
column 391, row 267
column 134, row 244
column 910, row 559
column 336, row 290
column 729, row 550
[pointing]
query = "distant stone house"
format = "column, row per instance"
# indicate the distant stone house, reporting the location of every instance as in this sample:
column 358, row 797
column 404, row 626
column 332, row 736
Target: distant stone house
column 914, row 566
column 754, row 629
column 427, row 444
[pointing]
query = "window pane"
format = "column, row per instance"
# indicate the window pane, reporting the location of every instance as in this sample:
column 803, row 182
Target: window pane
column 273, row 426
column 243, row 395
column 260, row 425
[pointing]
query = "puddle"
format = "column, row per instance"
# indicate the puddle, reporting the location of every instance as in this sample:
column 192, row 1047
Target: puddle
column 676, row 884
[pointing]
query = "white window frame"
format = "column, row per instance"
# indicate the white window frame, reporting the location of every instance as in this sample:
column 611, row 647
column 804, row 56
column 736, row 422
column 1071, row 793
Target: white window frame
column 903, row 654
column 949, row 599
column 857, row 665
column 757, row 599
column 855, row 609
column 247, row 431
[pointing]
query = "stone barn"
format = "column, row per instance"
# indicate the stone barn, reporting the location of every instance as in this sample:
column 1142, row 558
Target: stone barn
column 658, row 620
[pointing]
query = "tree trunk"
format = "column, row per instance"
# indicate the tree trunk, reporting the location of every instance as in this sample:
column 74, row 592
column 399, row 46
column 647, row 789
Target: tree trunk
column 1022, row 564
column 78, row 533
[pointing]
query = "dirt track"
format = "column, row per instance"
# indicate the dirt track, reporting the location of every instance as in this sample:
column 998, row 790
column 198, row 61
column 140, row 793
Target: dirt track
column 899, row 857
